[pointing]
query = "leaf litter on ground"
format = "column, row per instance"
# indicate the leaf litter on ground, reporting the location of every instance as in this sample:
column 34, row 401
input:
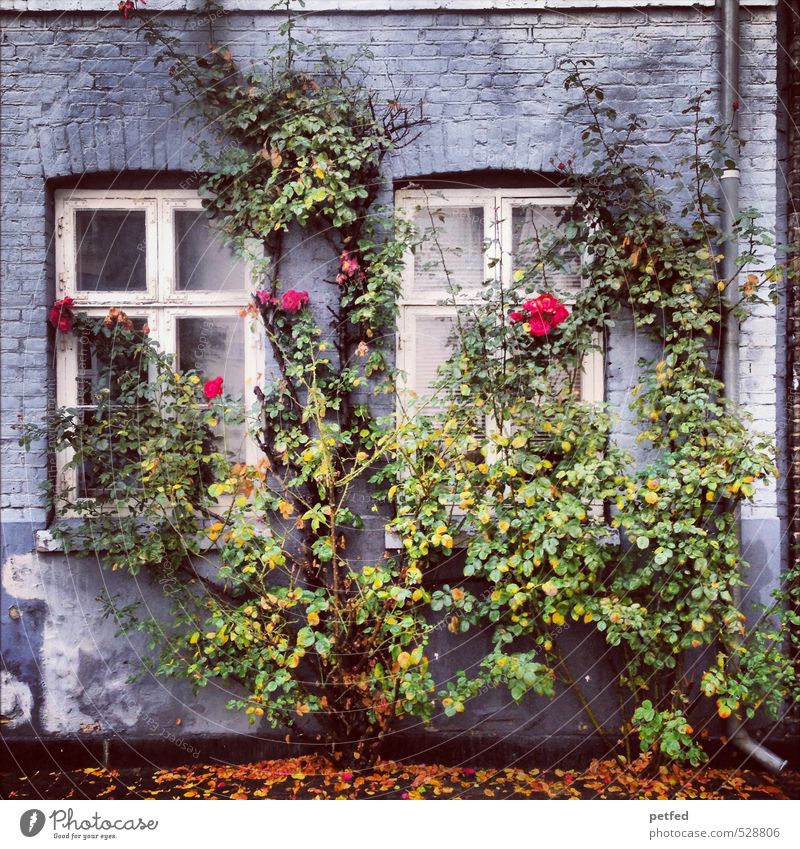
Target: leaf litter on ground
column 313, row 777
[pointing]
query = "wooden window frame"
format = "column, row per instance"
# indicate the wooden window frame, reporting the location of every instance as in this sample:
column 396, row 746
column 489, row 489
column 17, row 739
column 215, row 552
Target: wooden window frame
column 497, row 205
column 161, row 304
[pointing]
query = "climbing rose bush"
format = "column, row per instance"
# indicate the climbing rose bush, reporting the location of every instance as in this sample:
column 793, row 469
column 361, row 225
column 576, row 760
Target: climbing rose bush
column 513, row 473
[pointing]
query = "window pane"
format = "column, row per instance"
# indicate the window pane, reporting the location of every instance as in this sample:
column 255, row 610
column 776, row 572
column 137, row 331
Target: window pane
column 455, row 235
column 202, row 260
column 433, row 345
column 110, row 248
column 112, row 471
column 95, row 371
column 212, row 346
column 533, row 231
column 87, row 473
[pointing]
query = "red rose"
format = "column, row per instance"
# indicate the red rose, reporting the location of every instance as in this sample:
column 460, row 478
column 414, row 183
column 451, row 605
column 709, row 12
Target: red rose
column 61, row 315
column 544, row 313
column 213, row 388
column 347, row 776
column 293, row 301
column 539, row 326
column 543, row 304
column 263, row 297
column 515, row 316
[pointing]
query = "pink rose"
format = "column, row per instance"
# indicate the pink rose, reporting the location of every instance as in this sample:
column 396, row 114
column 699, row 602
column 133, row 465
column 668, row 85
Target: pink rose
column 127, row 6
column 293, row 301
column 213, row 388
column 348, row 268
column 348, row 264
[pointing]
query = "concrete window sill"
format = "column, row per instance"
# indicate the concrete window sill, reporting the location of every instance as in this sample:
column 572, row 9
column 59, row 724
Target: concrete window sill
column 393, row 542
column 46, row 543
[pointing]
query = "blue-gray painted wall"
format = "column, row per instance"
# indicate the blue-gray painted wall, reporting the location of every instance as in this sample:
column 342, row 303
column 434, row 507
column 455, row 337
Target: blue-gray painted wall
column 82, row 96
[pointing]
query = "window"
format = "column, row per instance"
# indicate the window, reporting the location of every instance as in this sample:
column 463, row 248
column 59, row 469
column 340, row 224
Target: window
column 480, row 234
column 156, row 256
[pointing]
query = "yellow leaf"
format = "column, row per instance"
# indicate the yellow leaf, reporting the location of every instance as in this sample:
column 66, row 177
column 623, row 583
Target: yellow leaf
column 549, row 588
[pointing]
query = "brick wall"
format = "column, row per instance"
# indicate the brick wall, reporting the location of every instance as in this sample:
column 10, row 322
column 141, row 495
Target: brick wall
column 792, row 107
column 82, row 95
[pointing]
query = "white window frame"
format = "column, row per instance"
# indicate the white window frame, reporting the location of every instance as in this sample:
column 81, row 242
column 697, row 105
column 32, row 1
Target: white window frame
column 497, row 205
column 161, row 304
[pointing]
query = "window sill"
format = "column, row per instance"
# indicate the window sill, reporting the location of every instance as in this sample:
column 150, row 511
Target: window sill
column 393, row 542
column 46, row 543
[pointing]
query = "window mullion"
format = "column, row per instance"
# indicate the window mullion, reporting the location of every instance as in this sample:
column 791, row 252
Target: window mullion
column 162, row 257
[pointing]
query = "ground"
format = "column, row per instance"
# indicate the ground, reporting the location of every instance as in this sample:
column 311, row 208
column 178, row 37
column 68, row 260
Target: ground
column 314, row 778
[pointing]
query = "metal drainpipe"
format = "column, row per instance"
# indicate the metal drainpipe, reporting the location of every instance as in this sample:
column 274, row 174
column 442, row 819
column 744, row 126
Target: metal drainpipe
column 729, row 31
